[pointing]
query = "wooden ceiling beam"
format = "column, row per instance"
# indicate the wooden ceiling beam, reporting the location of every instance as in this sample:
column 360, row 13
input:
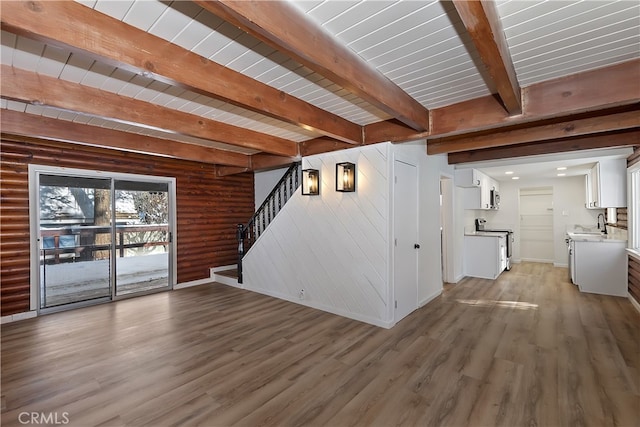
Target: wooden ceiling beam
column 594, row 90
column 230, row 170
column 116, row 43
column 285, row 28
column 262, row 161
column 30, row 87
column 392, row 131
column 321, row 145
column 589, row 142
column 483, row 24
column 578, row 127
column 31, row 125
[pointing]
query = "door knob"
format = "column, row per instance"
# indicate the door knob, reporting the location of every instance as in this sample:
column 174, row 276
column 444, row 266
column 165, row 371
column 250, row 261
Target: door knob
column 416, row 246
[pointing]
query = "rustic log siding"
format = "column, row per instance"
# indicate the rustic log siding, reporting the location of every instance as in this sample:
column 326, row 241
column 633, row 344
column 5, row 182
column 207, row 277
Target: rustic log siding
column 634, row 278
column 208, row 208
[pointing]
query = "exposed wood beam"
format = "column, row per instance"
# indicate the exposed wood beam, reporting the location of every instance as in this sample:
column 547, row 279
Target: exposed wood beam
column 30, row 87
column 114, row 42
column 282, row 26
column 30, row 125
column 601, row 88
column 594, row 90
column 390, row 130
column 230, row 170
column 321, row 145
column 604, row 140
column 588, row 126
column 263, row 161
column 483, row 25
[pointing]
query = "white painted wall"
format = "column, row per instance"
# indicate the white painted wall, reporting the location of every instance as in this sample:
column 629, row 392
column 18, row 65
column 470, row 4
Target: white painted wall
column 430, row 168
column 568, row 204
column 334, row 246
column 263, row 183
column 337, row 247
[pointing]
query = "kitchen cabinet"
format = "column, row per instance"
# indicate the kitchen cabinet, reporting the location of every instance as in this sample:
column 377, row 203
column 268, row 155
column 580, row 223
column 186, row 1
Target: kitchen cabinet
column 606, row 184
column 485, row 254
column 600, row 267
column 468, row 178
column 477, row 188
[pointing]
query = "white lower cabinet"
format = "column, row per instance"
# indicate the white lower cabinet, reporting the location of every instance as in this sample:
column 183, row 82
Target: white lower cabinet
column 485, row 255
column 601, row 267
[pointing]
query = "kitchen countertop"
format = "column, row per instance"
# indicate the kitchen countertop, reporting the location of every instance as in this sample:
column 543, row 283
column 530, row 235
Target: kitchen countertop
column 486, row 233
column 606, row 238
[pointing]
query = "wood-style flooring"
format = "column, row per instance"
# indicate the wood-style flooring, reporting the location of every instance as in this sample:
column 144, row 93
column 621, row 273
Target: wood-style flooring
column 525, row 350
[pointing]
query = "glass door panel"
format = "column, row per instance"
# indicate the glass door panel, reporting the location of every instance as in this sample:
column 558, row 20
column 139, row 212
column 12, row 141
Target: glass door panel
column 75, row 229
column 143, row 236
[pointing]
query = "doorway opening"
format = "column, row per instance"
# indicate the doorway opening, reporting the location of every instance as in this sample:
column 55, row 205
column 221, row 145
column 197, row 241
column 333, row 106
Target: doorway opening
column 98, row 237
column 446, row 228
column 536, row 224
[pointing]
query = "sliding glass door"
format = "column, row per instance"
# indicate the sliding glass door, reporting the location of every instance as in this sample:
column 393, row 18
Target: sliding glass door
column 75, row 227
column 142, row 261
column 101, row 238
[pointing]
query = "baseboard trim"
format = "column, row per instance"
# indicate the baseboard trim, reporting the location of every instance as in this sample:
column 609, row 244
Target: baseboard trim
column 213, row 270
column 193, row 283
column 634, row 303
column 225, row 280
column 430, row 298
column 542, row 261
column 354, row 316
column 18, row 316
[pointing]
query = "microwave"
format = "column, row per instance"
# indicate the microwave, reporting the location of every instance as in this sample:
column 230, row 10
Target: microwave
column 495, row 199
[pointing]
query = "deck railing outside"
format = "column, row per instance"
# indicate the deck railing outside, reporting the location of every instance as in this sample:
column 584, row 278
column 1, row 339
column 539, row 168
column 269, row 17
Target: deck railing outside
column 78, row 242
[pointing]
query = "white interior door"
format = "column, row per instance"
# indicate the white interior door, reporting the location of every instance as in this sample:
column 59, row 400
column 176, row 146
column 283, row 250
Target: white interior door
column 536, row 224
column 406, row 245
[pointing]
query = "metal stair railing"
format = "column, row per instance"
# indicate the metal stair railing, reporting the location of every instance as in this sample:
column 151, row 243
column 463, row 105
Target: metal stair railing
column 248, row 233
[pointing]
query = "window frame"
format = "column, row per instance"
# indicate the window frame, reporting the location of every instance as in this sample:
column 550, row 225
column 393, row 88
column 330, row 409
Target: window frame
column 633, row 209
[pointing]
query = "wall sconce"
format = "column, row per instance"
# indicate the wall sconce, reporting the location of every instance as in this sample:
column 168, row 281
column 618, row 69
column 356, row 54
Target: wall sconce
column 310, row 182
column 345, row 177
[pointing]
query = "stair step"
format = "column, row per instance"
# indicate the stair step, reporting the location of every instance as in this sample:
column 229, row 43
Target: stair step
column 233, row 273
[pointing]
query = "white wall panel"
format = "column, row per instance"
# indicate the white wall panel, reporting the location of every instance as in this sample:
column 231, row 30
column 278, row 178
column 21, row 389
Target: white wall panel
column 333, row 246
column 337, row 247
column 430, row 168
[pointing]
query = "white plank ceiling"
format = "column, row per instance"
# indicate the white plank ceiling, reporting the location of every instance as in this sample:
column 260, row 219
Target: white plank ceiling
column 420, row 45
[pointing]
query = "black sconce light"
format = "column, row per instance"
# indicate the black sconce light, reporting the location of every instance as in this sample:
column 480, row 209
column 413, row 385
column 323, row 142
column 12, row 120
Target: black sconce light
column 345, row 177
column 310, row 182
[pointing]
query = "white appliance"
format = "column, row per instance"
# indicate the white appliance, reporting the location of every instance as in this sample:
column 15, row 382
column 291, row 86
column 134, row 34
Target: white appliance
column 481, row 226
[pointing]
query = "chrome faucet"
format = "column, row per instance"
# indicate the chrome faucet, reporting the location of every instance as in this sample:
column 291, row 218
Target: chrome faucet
column 604, row 224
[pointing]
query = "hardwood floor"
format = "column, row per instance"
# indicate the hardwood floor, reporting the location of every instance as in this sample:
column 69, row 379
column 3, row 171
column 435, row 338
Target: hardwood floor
column 527, row 349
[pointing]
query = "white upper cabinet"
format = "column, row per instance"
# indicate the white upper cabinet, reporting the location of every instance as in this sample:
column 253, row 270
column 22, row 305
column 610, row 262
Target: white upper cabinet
column 477, row 188
column 606, row 184
column 468, row 178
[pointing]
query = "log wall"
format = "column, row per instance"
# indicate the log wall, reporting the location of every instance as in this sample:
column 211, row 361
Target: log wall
column 634, row 278
column 208, row 208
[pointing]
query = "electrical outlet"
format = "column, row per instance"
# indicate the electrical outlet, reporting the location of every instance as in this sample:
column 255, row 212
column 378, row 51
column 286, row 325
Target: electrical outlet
column 301, row 294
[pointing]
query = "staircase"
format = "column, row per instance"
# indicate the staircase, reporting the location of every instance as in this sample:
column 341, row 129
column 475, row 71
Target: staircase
column 248, row 233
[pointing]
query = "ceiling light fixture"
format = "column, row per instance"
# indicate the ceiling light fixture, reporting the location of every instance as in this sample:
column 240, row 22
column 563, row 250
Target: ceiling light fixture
column 562, row 174
column 515, row 177
column 508, row 173
column 562, row 168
